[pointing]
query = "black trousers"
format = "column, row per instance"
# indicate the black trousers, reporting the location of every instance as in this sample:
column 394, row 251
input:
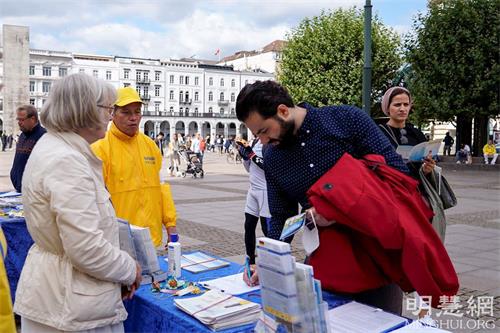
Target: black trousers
column 250, row 225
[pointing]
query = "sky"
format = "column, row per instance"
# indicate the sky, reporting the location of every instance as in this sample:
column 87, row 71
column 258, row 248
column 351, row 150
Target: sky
column 163, row 29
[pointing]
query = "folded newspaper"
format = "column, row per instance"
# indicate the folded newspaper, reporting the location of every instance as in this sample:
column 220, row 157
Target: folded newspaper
column 219, row 311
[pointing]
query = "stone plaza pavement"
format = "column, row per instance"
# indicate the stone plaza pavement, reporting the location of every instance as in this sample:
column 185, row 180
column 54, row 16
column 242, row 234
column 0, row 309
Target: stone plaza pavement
column 210, row 217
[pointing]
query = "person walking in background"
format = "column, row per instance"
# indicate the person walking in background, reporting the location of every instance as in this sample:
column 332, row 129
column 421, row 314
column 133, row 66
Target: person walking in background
column 175, row 161
column 131, row 168
column 4, row 141
column 203, row 147
column 195, row 146
column 489, row 151
column 219, row 143
column 256, row 207
column 73, row 275
column 159, row 140
column 31, row 132
column 448, row 143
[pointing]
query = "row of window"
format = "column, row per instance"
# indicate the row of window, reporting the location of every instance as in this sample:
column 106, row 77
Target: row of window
column 47, row 71
column 45, row 86
column 158, row 106
column 186, row 110
column 141, row 76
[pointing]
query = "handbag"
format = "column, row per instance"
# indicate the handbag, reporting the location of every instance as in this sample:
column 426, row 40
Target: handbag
column 435, row 201
column 446, row 193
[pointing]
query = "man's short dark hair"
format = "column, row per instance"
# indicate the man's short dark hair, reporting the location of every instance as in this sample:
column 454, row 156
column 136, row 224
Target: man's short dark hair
column 30, row 111
column 262, row 97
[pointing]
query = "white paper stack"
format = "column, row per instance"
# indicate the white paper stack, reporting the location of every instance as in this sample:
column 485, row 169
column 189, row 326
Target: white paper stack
column 355, row 317
column 219, row 310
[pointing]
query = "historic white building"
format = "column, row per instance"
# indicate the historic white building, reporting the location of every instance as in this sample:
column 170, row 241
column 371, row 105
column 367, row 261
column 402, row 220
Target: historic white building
column 186, row 96
column 266, row 59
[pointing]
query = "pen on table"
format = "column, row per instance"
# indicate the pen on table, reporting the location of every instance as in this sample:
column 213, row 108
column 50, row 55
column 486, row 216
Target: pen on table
column 232, row 305
column 249, row 272
column 211, row 287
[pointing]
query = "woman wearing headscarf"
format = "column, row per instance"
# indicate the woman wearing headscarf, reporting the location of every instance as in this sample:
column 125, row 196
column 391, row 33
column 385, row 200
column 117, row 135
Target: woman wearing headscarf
column 75, row 274
column 397, row 103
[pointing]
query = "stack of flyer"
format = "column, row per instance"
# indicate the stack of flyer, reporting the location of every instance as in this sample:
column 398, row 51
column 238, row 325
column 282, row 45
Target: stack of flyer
column 220, row 310
column 137, row 242
column 291, row 297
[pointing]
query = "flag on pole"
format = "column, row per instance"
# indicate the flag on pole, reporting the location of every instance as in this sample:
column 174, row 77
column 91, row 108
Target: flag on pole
column 217, row 52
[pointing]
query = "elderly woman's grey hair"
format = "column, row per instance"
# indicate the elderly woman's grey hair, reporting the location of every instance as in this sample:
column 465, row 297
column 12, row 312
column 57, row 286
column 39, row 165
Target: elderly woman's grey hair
column 72, row 103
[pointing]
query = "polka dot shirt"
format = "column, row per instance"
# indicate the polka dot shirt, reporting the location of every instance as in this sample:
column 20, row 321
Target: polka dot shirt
column 324, row 136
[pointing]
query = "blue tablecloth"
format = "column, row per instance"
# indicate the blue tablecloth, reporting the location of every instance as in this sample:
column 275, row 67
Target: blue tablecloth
column 148, row 312
column 19, row 242
column 156, row 312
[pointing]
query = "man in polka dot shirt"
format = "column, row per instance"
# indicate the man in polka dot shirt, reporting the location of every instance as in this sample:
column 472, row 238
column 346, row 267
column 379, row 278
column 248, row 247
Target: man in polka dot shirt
column 305, row 142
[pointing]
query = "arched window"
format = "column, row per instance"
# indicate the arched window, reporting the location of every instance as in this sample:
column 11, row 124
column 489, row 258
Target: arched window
column 222, row 82
column 221, row 96
column 210, row 96
column 210, row 110
column 221, row 110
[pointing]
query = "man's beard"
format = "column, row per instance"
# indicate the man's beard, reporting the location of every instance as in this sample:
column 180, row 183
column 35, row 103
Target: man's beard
column 287, row 137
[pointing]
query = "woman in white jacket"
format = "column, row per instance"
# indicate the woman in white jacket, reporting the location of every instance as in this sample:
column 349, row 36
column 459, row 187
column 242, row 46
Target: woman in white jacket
column 74, row 273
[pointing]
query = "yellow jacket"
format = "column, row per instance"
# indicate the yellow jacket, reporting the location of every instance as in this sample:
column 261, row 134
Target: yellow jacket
column 6, row 315
column 131, row 170
column 489, row 149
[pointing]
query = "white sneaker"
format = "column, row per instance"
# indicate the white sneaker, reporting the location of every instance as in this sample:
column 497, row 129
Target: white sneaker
column 458, row 162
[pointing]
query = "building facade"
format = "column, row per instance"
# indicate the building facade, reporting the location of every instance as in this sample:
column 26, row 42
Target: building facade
column 267, row 59
column 184, row 96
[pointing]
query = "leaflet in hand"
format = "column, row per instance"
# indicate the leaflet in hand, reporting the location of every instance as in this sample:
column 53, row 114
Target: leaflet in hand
column 420, row 151
column 293, row 225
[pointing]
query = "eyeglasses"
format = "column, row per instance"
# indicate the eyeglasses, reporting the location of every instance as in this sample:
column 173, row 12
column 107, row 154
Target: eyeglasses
column 110, row 109
column 403, row 138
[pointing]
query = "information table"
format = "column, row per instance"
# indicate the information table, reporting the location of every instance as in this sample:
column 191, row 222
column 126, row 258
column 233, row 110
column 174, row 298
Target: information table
column 156, row 312
column 19, row 242
column 148, row 312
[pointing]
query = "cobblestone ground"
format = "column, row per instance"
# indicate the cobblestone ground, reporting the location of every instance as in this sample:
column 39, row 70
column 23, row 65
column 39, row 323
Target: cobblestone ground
column 210, row 218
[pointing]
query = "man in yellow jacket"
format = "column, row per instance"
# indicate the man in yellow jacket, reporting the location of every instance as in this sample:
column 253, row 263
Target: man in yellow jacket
column 6, row 315
column 489, row 151
column 131, row 169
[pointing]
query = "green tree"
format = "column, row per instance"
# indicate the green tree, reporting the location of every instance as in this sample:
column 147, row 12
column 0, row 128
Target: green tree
column 323, row 60
column 453, row 54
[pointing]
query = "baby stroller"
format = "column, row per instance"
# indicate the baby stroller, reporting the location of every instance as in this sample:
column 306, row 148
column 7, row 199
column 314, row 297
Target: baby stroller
column 193, row 164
